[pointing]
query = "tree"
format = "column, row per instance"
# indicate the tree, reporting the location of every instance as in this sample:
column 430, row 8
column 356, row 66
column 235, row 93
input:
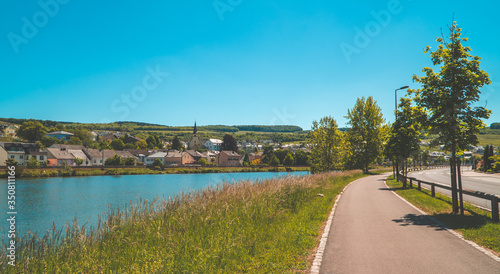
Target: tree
column 448, row 96
column 49, row 141
column 141, row 144
column 157, row 163
column 495, row 126
column 301, row 158
column 274, row 161
column 154, row 141
column 404, row 135
column 78, row 161
column 229, row 143
column 365, row 136
column 114, row 161
column 151, row 141
column 75, row 141
column 117, row 144
column 267, row 153
column 281, row 154
column 11, row 162
column 488, row 152
column 176, row 143
column 288, row 161
column 32, row 131
column 33, row 163
column 84, row 135
column 202, row 161
column 246, row 159
column 327, row 145
column 130, row 161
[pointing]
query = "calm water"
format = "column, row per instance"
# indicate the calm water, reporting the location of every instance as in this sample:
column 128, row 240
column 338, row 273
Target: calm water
column 40, row 202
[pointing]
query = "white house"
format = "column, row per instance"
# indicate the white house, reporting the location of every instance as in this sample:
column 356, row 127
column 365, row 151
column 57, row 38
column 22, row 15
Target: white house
column 158, row 155
column 213, row 144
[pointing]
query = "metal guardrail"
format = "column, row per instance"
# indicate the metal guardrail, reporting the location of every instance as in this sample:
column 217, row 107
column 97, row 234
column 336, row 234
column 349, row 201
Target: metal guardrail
column 478, row 194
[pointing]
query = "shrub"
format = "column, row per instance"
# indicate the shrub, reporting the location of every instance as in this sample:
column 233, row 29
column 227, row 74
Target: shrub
column 114, row 161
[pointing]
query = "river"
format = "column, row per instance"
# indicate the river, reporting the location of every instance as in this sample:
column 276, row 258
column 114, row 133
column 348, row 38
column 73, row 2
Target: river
column 40, row 203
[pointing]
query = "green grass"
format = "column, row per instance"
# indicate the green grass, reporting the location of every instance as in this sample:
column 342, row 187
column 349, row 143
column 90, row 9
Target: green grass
column 475, row 224
column 489, row 139
column 267, row 227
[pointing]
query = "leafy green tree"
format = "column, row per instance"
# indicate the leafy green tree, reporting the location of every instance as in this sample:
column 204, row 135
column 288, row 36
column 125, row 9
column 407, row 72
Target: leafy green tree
column 301, row 158
column 11, row 162
column 327, row 145
column 117, row 144
column 114, row 161
column 274, row 161
column 154, row 141
column 130, row 161
column 488, row 152
column 448, row 96
column 78, row 161
column 157, row 163
column 229, row 143
column 202, row 161
column 75, row 141
column 32, row 131
column 288, row 161
column 49, row 141
column 404, row 136
column 267, row 153
column 281, row 154
column 365, row 137
column 246, row 158
column 33, row 163
column 130, row 146
column 83, row 134
column 141, row 144
column 176, row 143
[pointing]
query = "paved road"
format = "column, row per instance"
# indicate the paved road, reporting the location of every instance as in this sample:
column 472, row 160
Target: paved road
column 374, row 231
column 470, row 180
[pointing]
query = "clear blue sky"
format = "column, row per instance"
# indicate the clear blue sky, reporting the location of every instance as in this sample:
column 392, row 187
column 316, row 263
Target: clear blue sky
column 225, row 61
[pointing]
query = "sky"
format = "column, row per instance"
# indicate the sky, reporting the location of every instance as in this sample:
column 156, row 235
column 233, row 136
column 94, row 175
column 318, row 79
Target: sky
column 226, row 62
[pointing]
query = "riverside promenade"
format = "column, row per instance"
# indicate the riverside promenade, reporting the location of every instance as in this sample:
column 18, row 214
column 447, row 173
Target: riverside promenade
column 375, row 231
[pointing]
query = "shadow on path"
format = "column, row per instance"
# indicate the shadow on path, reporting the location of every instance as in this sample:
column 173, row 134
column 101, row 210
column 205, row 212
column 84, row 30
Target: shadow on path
column 420, row 220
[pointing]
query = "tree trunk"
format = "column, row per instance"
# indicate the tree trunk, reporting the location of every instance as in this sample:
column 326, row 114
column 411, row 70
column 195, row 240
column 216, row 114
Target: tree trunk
column 453, row 174
column 459, row 176
column 397, row 170
column 393, row 169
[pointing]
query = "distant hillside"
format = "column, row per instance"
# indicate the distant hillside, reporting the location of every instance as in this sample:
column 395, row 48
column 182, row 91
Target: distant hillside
column 126, row 126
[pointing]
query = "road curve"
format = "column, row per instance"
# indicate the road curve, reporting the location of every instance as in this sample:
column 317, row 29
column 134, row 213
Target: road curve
column 487, row 183
column 374, row 231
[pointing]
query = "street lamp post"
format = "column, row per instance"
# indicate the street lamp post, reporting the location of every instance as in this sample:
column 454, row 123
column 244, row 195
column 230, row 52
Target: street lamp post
column 396, row 99
column 396, row 116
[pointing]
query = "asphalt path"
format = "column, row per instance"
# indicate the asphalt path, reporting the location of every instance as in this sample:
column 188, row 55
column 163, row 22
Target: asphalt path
column 374, row 231
column 487, row 183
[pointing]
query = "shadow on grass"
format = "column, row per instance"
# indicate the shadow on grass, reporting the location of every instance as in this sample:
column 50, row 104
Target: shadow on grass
column 456, row 221
column 420, row 220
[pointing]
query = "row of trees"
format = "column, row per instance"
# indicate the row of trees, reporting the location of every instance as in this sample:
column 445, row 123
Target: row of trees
column 443, row 106
column 357, row 147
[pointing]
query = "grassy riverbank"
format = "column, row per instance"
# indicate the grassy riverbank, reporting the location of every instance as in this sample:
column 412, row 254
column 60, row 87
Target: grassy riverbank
column 475, row 224
column 70, row 172
column 268, row 227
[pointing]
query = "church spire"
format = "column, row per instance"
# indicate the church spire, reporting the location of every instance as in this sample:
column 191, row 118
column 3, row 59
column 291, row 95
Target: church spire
column 195, row 131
